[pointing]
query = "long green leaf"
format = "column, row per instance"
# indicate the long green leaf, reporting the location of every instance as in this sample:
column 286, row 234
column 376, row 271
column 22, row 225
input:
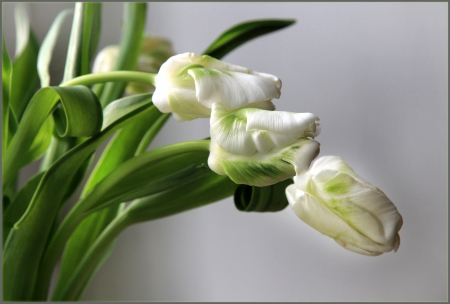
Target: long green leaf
column 208, row 188
column 46, row 50
column 19, row 204
column 243, row 32
column 90, row 34
column 129, row 183
column 73, row 59
column 26, row 243
column 83, row 117
column 121, row 148
column 82, row 44
column 130, row 46
column 140, row 176
column 6, row 79
column 137, row 106
column 24, row 77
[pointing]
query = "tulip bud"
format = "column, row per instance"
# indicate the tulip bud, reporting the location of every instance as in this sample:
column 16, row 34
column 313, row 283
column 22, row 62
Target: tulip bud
column 154, row 52
column 333, row 199
column 188, row 84
column 259, row 147
column 106, row 59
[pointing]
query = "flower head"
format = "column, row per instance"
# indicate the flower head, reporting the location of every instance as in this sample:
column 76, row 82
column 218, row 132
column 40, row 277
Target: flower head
column 154, row 52
column 333, row 199
column 259, row 147
column 188, row 84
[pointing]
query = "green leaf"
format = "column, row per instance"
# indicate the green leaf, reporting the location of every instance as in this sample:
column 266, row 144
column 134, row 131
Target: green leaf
column 83, row 117
column 90, row 34
column 83, row 42
column 121, row 148
column 145, row 174
column 73, row 59
column 41, row 141
column 140, row 176
column 6, row 79
column 46, row 50
column 207, row 188
column 130, row 47
column 262, row 199
column 24, row 77
column 26, row 242
column 19, row 204
column 23, row 74
column 84, row 39
column 243, row 32
column 151, row 133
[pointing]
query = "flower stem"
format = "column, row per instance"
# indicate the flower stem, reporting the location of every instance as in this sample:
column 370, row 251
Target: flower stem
column 204, row 190
column 84, row 207
column 113, row 76
column 92, row 258
column 151, row 133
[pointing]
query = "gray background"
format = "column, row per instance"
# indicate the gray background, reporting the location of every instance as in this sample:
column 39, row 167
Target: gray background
column 376, row 74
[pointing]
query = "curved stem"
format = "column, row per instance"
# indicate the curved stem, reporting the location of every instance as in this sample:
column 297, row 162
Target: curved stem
column 83, row 208
column 204, row 190
column 113, row 76
column 92, row 258
column 151, row 133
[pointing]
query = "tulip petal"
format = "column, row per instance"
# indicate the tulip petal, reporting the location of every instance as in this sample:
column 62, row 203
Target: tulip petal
column 336, row 194
column 231, row 131
column 317, row 215
column 280, row 122
column 188, row 84
column 233, row 89
column 263, row 169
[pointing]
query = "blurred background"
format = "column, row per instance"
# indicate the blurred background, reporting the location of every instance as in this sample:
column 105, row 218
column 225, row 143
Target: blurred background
column 377, row 76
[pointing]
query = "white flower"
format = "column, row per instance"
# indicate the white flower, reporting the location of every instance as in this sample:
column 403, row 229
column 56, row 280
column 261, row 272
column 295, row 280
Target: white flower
column 106, row 59
column 154, row 52
column 333, row 199
column 259, row 147
column 188, row 84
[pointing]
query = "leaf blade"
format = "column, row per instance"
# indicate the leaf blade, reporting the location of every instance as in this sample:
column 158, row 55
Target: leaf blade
column 47, row 47
column 243, row 32
column 25, row 244
column 83, row 117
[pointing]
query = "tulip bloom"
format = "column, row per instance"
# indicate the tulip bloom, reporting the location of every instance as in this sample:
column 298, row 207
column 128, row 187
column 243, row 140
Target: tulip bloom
column 259, row 147
column 188, row 84
column 333, row 199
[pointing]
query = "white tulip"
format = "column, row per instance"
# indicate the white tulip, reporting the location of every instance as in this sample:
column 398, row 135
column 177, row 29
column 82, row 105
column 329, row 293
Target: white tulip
column 188, row 84
column 259, row 147
column 154, row 52
column 333, row 199
column 106, row 59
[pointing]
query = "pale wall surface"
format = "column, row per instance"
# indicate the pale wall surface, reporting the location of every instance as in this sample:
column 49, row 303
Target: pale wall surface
column 376, row 75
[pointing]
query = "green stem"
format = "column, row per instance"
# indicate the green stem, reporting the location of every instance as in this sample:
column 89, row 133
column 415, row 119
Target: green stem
column 82, row 209
column 130, row 47
column 151, row 133
column 113, row 76
column 92, row 258
column 202, row 191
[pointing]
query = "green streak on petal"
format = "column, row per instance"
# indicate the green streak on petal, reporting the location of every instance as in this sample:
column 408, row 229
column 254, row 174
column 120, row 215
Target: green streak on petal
column 248, row 172
column 339, row 185
column 338, row 188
